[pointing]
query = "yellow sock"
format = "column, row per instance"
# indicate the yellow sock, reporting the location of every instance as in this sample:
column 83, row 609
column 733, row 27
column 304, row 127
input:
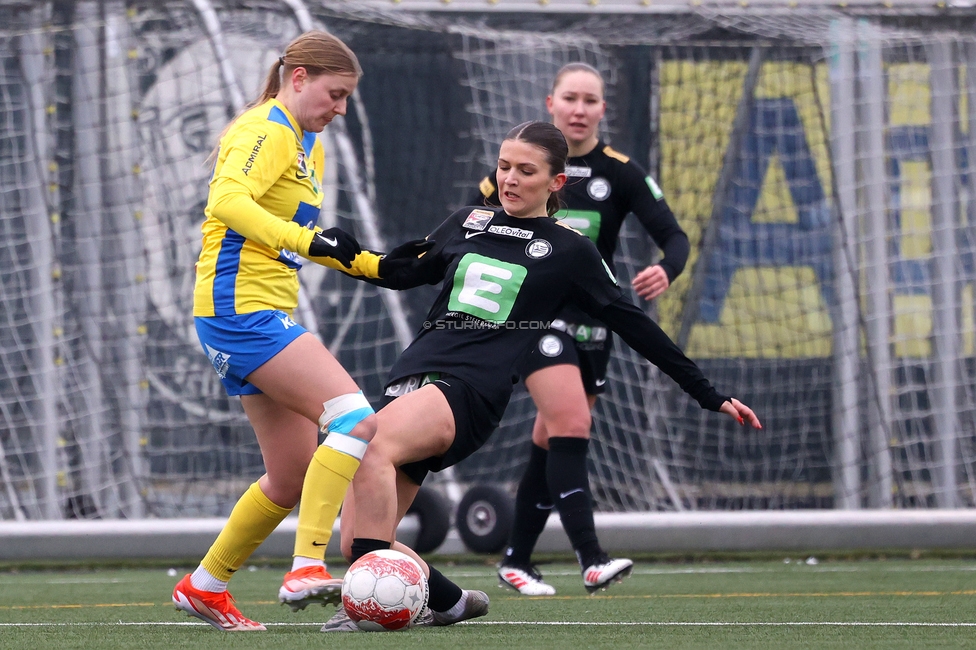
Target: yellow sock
column 326, row 482
column 249, row 524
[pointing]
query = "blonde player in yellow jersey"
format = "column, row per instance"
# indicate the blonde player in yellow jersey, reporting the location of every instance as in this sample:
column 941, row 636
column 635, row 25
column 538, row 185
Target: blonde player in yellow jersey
column 261, row 212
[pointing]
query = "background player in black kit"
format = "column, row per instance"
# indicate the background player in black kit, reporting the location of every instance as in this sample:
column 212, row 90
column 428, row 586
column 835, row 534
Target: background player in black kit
column 503, row 270
column 566, row 370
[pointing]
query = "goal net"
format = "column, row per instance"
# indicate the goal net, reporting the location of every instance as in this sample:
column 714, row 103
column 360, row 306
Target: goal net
column 818, row 160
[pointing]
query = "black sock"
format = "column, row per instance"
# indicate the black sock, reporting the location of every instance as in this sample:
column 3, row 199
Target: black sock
column 532, row 507
column 569, row 487
column 363, row 545
column 443, row 594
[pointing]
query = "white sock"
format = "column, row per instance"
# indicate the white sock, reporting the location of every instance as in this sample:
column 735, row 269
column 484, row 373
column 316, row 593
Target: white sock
column 202, row 580
column 300, row 562
column 458, row 608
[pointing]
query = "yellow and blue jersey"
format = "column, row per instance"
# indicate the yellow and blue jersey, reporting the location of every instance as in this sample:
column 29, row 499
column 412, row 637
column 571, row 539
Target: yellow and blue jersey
column 261, row 214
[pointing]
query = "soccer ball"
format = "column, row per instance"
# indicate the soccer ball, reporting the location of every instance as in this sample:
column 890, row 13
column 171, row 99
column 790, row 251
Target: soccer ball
column 384, row 590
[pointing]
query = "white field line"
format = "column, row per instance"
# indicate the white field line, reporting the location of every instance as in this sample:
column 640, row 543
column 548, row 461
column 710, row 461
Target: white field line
column 799, row 564
column 638, row 570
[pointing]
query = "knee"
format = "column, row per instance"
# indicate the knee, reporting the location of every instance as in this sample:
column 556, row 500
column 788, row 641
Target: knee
column 283, row 491
column 540, row 437
column 378, row 456
column 365, row 429
column 570, row 424
column 350, row 415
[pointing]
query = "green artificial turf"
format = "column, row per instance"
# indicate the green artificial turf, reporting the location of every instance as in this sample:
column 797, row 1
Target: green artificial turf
column 860, row 604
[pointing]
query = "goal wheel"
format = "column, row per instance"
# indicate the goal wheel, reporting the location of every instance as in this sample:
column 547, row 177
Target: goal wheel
column 484, row 518
column 434, row 512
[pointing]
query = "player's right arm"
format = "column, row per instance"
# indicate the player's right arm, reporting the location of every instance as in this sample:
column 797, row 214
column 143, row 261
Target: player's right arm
column 418, row 262
column 252, row 158
column 407, row 266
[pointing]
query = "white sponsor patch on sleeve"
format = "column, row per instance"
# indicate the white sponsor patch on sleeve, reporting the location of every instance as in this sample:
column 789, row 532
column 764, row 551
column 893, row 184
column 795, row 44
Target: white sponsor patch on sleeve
column 655, row 190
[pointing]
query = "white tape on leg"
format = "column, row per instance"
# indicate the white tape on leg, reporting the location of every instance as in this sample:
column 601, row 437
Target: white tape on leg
column 346, row 444
column 343, row 413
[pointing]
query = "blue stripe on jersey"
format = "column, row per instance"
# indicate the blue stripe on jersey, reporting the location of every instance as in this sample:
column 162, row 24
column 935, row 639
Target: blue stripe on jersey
column 225, row 280
column 290, row 259
column 278, row 116
column 306, row 214
column 308, row 142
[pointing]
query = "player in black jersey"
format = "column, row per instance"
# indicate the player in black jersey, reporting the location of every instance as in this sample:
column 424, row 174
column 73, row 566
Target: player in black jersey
column 506, row 273
column 566, row 370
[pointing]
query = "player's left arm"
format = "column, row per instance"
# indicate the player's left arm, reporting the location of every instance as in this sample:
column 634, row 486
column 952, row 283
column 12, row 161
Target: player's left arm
column 647, row 202
column 599, row 295
column 649, row 340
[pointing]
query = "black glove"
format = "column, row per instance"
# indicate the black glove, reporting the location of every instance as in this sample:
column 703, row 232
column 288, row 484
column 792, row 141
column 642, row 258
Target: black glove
column 402, row 268
column 337, row 244
column 404, row 256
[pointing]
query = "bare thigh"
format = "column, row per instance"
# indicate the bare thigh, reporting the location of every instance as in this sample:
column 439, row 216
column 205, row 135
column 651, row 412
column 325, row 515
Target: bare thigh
column 287, row 440
column 295, row 384
column 414, row 427
column 303, row 376
column 562, row 402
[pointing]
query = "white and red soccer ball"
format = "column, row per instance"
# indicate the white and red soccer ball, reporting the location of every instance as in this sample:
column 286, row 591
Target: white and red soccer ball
column 384, row 590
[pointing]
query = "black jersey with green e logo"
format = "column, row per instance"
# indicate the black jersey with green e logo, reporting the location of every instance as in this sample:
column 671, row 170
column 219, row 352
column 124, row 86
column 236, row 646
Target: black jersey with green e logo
column 504, row 280
column 602, row 188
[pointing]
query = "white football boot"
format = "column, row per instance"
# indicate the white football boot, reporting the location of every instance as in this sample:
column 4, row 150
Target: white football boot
column 606, row 571
column 526, row 580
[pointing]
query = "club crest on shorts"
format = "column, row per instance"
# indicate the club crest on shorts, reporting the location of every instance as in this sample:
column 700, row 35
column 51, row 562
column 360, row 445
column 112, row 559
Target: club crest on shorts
column 598, row 188
column 220, row 361
column 538, row 248
column 550, row 346
column 478, row 219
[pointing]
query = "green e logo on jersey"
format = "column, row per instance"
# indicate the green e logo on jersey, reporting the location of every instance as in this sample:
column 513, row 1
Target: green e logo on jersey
column 486, row 288
column 585, row 221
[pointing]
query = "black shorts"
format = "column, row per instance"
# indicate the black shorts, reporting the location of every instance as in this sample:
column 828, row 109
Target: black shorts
column 557, row 347
column 474, row 420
